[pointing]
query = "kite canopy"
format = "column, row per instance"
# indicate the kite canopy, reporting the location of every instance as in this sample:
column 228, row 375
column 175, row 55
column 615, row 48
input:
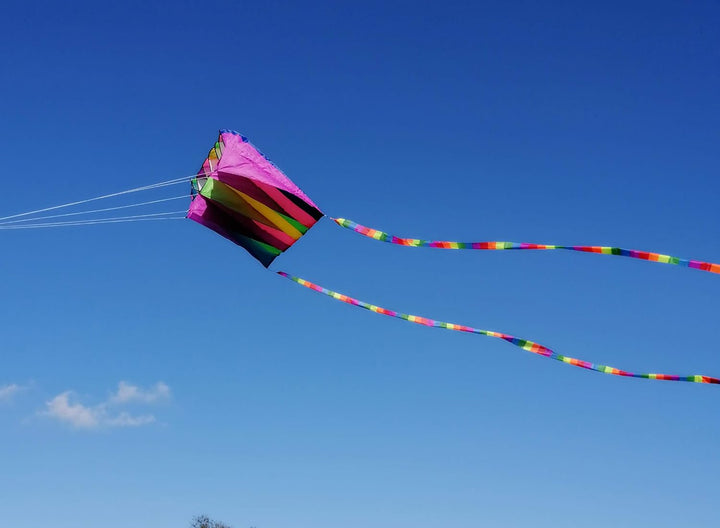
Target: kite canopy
column 241, row 195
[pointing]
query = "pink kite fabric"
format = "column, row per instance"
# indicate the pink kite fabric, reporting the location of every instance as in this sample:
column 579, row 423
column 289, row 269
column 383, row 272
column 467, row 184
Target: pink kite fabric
column 240, row 157
column 602, row 250
column 242, row 196
column 530, row 346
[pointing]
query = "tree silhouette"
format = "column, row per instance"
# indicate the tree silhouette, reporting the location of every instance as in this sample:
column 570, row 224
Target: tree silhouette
column 203, row 521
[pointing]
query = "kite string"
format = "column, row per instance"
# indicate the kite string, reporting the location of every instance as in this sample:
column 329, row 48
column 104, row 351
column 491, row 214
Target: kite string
column 158, row 185
column 529, row 346
column 45, row 226
column 603, row 250
column 111, row 220
column 35, row 218
column 91, row 221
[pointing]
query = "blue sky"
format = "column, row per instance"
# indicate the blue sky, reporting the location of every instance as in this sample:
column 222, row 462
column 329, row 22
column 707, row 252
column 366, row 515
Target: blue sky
column 154, row 371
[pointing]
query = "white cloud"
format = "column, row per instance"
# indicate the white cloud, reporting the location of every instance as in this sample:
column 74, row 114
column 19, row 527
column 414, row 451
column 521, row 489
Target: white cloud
column 65, row 408
column 7, row 392
column 128, row 393
column 76, row 414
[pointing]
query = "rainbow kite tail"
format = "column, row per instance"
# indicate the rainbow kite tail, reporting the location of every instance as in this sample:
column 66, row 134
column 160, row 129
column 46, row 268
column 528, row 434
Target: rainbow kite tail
column 525, row 344
column 602, row 250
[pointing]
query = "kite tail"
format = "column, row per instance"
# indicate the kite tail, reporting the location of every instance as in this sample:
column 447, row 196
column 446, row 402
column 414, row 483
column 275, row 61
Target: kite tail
column 603, row 250
column 530, row 346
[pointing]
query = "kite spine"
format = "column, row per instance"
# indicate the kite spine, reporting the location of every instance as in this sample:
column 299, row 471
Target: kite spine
column 525, row 344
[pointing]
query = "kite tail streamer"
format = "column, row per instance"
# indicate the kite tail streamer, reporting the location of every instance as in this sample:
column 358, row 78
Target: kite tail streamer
column 530, row 346
column 603, row 250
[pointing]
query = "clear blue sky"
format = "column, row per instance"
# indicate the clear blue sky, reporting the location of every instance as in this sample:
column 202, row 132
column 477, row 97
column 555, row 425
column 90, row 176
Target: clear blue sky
column 264, row 404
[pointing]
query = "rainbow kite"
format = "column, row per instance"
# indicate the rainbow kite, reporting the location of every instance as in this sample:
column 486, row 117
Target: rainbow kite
column 242, row 196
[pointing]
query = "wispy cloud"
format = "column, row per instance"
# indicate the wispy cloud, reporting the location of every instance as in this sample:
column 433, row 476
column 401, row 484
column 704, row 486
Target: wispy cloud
column 66, row 408
column 125, row 419
column 8, row 392
column 128, row 393
column 75, row 414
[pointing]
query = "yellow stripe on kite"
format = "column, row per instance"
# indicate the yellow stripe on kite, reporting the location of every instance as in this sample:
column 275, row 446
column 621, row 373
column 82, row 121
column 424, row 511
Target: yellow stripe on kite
column 273, row 216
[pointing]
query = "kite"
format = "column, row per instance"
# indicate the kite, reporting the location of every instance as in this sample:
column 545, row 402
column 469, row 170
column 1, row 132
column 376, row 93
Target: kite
column 242, row 196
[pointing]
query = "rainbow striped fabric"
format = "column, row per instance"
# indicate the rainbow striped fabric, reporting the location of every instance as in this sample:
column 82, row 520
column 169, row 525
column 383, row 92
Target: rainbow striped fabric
column 530, row 346
column 242, row 196
column 602, row 250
